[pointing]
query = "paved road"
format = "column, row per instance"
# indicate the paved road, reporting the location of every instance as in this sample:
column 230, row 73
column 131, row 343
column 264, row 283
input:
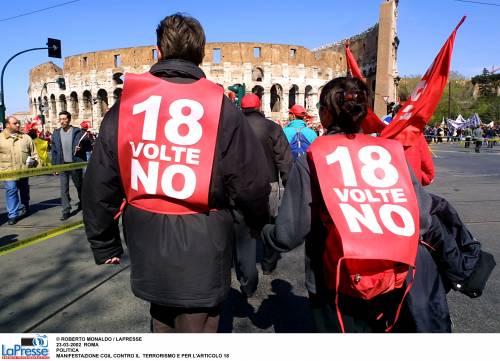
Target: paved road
column 54, row 286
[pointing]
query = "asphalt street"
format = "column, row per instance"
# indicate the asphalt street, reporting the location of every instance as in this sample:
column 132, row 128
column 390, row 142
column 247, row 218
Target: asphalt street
column 55, row 286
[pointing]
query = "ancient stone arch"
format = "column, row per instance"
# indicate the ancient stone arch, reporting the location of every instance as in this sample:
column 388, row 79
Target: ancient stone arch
column 117, row 78
column 276, row 98
column 62, row 103
column 293, row 94
column 73, row 105
column 102, row 101
column 257, row 74
column 308, row 98
column 258, row 90
column 87, row 103
column 117, row 93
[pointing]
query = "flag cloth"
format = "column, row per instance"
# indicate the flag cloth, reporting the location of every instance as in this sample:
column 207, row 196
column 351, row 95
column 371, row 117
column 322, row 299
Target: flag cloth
column 425, row 97
column 371, row 123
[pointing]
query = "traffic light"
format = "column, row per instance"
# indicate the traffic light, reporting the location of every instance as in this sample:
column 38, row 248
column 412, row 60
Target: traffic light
column 54, row 46
column 42, row 118
column 62, row 83
column 239, row 90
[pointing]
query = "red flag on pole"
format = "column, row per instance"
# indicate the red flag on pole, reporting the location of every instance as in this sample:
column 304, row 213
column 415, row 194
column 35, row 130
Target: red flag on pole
column 425, row 97
column 371, row 123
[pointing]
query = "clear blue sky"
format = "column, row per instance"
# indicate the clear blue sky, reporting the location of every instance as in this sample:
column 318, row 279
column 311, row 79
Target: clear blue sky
column 89, row 25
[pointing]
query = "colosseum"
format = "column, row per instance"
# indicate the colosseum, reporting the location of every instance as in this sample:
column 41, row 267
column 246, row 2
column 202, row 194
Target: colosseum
column 282, row 75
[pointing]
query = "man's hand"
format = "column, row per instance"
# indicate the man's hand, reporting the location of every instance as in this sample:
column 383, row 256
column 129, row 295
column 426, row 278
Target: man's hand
column 113, row 260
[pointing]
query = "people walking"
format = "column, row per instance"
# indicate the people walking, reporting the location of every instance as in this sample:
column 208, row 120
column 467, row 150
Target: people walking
column 181, row 169
column 17, row 151
column 477, row 136
column 65, row 141
column 468, row 136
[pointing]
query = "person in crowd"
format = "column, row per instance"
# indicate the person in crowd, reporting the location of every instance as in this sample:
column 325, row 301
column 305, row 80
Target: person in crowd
column 86, row 142
column 446, row 254
column 17, row 151
column 41, row 146
column 468, row 136
column 180, row 173
column 477, row 137
column 278, row 163
column 489, row 135
column 65, row 142
column 299, row 135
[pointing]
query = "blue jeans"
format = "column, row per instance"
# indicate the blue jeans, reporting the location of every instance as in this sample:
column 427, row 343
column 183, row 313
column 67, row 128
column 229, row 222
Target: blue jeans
column 12, row 191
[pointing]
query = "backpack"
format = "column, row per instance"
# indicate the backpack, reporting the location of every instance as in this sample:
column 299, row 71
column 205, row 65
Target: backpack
column 299, row 143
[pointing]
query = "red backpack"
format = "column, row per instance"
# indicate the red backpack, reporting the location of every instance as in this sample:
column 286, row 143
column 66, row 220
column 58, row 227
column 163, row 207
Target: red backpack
column 373, row 216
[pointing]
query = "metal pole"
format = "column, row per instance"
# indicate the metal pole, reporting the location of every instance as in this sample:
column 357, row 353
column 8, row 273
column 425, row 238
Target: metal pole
column 449, row 99
column 2, row 100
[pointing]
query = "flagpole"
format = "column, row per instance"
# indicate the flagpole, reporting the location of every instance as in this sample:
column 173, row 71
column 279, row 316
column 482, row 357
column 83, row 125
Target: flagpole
column 449, row 98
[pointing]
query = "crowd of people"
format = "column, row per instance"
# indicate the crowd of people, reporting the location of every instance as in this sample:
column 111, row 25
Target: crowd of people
column 198, row 182
column 37, row 148
column 480, row 135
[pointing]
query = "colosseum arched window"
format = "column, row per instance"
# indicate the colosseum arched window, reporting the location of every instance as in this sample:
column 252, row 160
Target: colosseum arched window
column 53, row 110
column 102, row 101
column 117, row 79
column 257, row 74
column 308, row 98
column 258, row 90
column 35, row 106
column 87, row 103
column 276, row 97
column 292, row 95
column 62, row 103
column 73, row 104
column 117, row 93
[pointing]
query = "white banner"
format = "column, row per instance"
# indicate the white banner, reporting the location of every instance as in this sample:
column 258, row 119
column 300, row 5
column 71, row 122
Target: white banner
column 250, row 347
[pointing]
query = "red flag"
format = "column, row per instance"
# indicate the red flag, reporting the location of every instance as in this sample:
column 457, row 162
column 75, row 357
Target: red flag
column 425, row 97
column 352, row 65
column 371, row 123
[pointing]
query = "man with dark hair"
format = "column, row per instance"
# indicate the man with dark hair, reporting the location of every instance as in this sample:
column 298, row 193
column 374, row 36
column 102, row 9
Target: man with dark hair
column 64, row 148
column 180, row 153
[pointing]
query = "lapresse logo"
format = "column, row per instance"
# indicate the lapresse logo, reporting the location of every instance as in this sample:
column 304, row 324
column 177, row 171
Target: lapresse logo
column 29, row 348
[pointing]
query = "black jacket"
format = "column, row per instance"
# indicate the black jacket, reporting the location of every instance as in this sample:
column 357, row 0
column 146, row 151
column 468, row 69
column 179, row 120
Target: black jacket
column 178, row 260
column 274, row 142
column 57, row 154
column 451, row 254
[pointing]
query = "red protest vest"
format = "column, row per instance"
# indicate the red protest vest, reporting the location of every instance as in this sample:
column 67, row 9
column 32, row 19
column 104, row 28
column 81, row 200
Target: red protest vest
column 166, row 141
column 367, row 189
column 368, row 192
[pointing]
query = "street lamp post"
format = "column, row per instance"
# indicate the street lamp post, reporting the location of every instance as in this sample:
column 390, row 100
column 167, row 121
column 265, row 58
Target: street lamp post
column 54, row 47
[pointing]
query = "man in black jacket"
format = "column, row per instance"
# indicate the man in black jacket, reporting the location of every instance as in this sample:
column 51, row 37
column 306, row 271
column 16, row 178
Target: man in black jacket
column 279, row 162
column 65, row 141
column 181, row 263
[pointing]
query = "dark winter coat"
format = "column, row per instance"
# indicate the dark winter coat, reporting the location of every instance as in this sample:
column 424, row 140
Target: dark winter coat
column 451, row 254
column 178, row 260
column 57, row 154
column 274, row 143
